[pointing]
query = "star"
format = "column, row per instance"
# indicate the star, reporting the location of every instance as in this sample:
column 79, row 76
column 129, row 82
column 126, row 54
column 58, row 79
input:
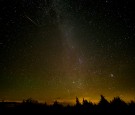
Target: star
column 112, row 75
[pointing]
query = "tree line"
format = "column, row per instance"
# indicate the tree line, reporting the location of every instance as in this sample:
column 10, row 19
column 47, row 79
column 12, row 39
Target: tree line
column 30, row 106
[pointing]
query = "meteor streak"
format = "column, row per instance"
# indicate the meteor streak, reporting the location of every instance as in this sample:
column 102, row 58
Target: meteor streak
column 33, row 22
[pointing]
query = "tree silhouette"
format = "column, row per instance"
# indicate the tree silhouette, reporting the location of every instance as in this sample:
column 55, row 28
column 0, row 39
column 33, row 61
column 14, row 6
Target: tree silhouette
column 87, row 106
column 103, row 101
column 131, row 107
column 30, row 106
column 103, row 105
column 118, row 105
column 78, row 102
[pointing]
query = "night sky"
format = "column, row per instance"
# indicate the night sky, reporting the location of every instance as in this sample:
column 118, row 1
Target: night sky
column 59, row 49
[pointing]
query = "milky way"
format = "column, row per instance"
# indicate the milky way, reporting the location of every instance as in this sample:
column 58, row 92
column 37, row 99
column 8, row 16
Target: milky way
column 60, row 49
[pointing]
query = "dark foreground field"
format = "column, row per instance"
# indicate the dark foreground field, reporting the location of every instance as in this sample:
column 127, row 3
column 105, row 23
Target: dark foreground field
column 30, row 106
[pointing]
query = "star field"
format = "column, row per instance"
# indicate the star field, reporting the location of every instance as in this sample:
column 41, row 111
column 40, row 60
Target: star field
column 60, row 49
